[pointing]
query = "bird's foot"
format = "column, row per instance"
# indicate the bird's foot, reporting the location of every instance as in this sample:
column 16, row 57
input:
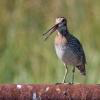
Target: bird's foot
column 70, row 83
column 58, row 83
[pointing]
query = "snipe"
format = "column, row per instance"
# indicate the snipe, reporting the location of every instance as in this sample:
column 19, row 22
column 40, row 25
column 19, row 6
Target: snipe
column 68, row 48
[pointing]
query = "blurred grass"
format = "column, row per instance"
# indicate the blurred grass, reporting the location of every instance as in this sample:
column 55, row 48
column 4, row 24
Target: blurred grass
column 26, row 58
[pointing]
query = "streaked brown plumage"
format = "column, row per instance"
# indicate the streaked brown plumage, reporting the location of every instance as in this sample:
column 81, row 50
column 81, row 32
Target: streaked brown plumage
column 68, row 48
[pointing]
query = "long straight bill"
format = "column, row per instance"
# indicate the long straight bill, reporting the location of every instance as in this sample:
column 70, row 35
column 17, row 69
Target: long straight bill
column 50, row 31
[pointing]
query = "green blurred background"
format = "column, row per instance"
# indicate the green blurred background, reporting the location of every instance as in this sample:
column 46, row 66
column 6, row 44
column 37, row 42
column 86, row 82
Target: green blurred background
column 26, row 58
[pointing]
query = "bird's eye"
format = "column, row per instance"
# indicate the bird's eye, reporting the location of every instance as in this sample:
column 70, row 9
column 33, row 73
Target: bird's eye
column 63, row 20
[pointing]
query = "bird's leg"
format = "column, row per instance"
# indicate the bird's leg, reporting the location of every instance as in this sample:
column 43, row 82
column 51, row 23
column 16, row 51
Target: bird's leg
column 64, row 79
column 66, row 72
column 73, row 71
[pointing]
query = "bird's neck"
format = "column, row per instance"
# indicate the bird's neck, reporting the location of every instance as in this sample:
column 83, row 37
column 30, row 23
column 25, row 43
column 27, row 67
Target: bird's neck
column 64, row 32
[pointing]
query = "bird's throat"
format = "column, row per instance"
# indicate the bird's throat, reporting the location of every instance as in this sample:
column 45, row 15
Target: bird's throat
column 63, row 32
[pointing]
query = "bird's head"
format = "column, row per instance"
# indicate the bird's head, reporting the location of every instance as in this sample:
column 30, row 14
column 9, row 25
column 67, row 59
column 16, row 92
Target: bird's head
column 60, row 25
column 62, row 22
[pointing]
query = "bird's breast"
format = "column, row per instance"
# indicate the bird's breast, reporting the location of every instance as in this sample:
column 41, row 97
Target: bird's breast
column 60, row 40
column 60, row 45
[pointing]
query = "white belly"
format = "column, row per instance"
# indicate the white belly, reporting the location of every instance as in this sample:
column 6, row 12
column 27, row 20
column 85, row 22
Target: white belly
column 66, row 55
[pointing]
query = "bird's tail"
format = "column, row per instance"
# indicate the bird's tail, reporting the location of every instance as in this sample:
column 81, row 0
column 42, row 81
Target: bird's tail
column 82, row 69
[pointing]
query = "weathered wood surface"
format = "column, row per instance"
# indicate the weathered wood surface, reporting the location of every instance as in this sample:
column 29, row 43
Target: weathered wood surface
column 49, row 92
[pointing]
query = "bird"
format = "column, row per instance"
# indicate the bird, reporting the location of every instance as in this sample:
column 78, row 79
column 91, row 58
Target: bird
column 68, row 48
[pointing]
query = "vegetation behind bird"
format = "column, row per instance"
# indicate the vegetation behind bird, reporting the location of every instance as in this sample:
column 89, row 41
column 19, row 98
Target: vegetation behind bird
column 25, row 58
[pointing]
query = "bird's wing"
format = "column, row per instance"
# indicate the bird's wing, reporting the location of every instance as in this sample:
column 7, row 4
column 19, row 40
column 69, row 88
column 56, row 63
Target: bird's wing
column 77, row 48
